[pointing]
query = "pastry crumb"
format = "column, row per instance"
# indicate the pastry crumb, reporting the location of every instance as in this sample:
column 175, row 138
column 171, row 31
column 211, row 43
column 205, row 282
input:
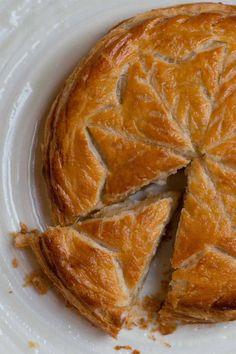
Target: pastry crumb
column 166, row 344
column 167, row 328
column 21, row 238
column 126, row 347
column 37, row 281
column 143, row 323
column 155, row 327
column 23, row 228
column 32, row 344
column 14, row 263
column 144, row 314
column 152, row 337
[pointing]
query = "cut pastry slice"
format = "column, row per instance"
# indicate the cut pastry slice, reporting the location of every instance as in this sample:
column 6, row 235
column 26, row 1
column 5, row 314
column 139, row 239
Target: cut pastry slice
column 99, row 264
column 203, row 286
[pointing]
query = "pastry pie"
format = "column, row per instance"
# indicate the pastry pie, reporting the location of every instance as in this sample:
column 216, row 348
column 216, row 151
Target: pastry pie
column 156, row 94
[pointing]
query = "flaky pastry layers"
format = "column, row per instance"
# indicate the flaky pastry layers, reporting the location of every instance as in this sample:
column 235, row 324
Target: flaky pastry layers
column 203, row 286
column 156, row 94
column 99, row 264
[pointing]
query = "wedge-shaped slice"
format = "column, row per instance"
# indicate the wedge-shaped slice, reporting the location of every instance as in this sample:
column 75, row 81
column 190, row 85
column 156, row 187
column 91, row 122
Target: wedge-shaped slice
column 100, row 264
column 204, row 220
column 203, row 286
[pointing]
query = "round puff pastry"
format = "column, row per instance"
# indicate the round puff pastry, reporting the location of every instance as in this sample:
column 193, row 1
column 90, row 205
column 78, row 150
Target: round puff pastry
column 156, row 94
column 99, row 264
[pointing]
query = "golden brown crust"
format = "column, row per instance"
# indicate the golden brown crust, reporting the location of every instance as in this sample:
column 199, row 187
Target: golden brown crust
column 116, row 87
column 203, row 219
column 99, row 265
column 204, row 291
column 133, row 234
column 155, row 93
column 203, row 286
column 115, row 317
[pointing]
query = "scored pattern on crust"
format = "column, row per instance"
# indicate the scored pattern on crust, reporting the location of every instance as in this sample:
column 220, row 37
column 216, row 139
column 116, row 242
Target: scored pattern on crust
column 100, row 264
column 136, row 110
column 156, row 94
column 205, row 245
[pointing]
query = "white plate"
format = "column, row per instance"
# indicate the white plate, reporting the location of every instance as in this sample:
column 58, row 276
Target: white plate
column 40, row 42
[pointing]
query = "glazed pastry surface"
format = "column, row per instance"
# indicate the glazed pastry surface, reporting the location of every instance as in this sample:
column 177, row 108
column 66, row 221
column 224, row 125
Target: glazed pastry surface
column 157, row 93
column 100, row 264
